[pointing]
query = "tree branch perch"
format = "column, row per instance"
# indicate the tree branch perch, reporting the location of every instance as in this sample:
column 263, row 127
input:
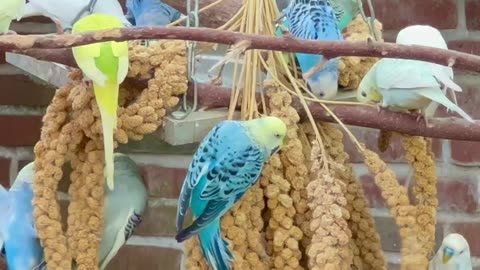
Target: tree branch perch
column 452, row 128
column 53, row 48
column 330, row 49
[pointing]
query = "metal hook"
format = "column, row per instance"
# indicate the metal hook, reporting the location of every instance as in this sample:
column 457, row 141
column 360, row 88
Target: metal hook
column 190, row 65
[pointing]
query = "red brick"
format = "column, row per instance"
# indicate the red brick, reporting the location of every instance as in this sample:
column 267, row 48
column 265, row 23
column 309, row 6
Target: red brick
column 143, row 257
column 465, row 153
column 5, row 172
column 458, row 194
column 472, row 9
column 158, row 220
column 23, row 130
column 373, row 192
column 470, row 232
column 20, row 90
column 466, row 46
column 163, row 182
column 389, row 235
column 397, row 14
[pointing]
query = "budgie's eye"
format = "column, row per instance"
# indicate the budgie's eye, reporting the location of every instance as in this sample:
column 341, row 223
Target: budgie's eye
column 321, row 94
column 364, row 94
column 461, row 252
column 277, row 136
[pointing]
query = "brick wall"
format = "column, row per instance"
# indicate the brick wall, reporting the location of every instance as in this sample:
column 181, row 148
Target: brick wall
column 23, row 101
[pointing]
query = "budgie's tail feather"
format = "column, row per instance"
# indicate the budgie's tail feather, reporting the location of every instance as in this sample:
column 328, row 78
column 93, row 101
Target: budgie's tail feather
column 438, row 96
column 108, row 113
column 214, row 248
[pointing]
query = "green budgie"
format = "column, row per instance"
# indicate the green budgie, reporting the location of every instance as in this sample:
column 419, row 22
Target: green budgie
column 227, row 163
column 106, row 64
column 9, row 11
column 453, row 254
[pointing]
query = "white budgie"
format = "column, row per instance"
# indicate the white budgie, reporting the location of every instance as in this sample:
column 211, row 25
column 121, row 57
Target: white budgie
column 402, row 85
column 453, row 254
column 9, row 11
column 426, row 35
column 63, row 14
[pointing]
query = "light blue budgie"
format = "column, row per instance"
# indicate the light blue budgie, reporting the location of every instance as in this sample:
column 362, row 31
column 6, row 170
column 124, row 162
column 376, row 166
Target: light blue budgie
column 228, row 162
column 123, row 211
column 315, row 20
column 21, row 244
column 151, row 13
column 453, row 254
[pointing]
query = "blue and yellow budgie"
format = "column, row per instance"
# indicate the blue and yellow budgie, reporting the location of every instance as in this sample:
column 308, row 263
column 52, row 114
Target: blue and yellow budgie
column 228, row 162
column 315, row 20
column 106, row 64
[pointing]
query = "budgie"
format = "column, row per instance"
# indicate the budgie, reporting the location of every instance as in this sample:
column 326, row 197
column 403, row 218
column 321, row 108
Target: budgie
column 453, row 254
column 106, row 64
column 315, row 20
column 402, row 85
column 151, row 13
column 123, row 211
column 9, row 11
column 426, row 35
column 223, row 168
column 63, row 15
column 123, row 208
column 21, row 244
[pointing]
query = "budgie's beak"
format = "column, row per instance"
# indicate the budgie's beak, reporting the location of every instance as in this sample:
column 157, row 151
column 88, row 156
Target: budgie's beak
column 447, row 255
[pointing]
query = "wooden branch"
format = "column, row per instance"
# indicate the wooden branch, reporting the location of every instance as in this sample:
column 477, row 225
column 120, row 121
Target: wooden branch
column 328, row 48
column 452, row 128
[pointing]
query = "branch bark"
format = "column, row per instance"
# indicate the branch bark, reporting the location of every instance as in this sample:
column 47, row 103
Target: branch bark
column 288, row 44
column 452, row 128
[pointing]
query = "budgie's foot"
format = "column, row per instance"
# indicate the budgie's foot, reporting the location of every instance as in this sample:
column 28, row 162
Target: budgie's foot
column 379, row 107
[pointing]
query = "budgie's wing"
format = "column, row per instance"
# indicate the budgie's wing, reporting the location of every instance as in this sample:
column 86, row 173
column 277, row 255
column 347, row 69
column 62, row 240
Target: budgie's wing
column 227, row 181
column 445, row 76
column 313, row 20
column 120, row 50
column 438, row 96
column 85, row 58
column 199, row 167
column 11, row 9
column 124, row 232
column 403, row 74
column 41, row 266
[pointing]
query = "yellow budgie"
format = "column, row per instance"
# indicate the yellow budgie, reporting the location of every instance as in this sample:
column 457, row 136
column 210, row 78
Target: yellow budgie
column 10, row 10
column 106, row 64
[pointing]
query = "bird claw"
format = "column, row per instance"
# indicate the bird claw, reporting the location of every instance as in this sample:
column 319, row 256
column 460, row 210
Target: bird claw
column 379, row 107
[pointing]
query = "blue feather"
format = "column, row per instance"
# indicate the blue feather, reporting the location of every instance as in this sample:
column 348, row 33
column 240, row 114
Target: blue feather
column 151, row 12
column 315, row 20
